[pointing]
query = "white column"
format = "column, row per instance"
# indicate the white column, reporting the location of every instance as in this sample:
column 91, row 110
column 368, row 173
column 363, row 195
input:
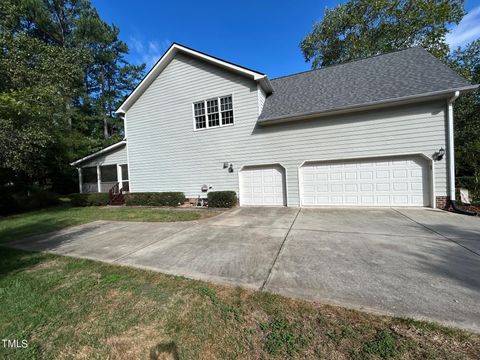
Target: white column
column 119, row 177
column 99, row 182
column 80, row 179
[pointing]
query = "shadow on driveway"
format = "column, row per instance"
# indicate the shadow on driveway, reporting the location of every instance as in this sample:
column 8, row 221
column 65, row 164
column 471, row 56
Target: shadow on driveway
column 393, row 261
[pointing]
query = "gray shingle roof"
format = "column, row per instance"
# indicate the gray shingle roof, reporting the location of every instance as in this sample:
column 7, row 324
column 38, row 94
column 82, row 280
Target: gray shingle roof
column 391, row 76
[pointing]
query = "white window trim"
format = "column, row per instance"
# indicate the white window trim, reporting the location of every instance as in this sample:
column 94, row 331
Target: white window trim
column 206, row 113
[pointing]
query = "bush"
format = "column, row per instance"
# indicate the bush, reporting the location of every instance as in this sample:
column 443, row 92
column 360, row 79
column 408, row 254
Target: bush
column 32, row 198
column 155, row 199
column 38, row 198
column 8, row 205
column 89, row 199
column 222, row 199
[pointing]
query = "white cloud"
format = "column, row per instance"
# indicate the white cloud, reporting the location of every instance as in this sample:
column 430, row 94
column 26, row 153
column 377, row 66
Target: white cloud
column 147, row 52
column 466, row 31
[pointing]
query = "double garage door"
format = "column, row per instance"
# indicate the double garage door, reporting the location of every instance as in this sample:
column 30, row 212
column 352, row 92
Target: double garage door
column 396, row 181
column 400, row 181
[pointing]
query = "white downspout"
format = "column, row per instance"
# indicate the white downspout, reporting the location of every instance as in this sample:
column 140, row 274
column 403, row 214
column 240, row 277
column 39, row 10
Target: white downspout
column 451, row 147
column 99, row 180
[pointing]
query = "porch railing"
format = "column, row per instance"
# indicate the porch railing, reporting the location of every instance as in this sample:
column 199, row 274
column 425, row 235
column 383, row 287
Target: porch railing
column 115, row 195
column 105, row 186
column 89, row 187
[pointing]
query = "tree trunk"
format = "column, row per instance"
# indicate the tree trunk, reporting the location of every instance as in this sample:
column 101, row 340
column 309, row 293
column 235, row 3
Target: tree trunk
column 105, row 127
column 105, row 122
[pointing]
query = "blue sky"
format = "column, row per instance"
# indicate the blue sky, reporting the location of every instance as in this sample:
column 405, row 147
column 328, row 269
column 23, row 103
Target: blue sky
column 262, row 35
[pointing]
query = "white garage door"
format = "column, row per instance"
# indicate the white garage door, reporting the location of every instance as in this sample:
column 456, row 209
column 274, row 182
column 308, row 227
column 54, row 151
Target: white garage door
column 263, row 185
column 380, row 182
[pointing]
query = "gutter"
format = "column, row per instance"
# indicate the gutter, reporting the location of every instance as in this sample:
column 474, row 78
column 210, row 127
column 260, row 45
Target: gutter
column 451, row 156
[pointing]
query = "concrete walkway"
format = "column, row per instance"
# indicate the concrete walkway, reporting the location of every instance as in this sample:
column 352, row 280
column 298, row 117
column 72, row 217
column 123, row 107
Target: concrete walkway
column 419, row 263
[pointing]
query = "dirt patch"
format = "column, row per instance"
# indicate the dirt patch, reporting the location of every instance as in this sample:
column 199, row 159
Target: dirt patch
column 439, row 340
column 140, row 343
column 84, row 352
column 114, row 297
column 49, row 264
column 164, row 351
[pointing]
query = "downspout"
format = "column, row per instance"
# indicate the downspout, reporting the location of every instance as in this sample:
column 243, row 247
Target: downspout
column 451, row 156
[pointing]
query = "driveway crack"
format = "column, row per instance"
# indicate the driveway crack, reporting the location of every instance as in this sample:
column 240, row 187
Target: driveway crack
column 279, row 252
column 436, row 232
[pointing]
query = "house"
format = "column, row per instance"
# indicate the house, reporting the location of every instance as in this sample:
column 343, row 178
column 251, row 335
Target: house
column 370, row 132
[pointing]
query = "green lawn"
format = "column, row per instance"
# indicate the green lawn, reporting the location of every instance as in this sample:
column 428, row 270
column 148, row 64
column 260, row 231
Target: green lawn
column 79, row 309
column 37, row 222
column 69, row 308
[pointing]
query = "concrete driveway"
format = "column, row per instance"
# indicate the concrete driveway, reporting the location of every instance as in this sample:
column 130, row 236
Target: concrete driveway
column 419, row 263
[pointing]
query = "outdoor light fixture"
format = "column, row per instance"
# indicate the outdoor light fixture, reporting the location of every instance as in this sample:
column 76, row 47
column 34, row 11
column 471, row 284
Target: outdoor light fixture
column 440, row 154
column 225, row 165
column 230, row 168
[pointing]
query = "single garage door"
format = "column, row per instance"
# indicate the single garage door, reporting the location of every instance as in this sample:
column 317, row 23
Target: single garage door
column 398, row 181
column 262, row 185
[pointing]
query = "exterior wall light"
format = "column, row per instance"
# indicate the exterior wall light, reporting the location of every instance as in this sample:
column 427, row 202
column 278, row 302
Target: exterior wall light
column 440, row 153
column 230, row 168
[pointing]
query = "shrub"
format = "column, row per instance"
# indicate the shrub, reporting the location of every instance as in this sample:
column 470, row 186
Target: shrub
column 222, row 199
column 89, row 199
column 137, row 199
column 155, row 199
column 20, row 200
column 8, row 205
column 37, row 198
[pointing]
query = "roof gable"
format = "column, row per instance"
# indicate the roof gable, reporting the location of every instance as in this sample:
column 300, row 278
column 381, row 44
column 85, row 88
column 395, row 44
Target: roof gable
column 103, row 151
column 168, row 56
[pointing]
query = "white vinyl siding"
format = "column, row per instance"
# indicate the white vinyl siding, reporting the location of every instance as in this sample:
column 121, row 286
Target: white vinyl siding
column 116, row 156
column 261, row 99
column 166, row 155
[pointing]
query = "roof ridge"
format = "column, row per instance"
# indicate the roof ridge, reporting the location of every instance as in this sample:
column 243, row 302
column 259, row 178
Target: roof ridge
column 348, row 62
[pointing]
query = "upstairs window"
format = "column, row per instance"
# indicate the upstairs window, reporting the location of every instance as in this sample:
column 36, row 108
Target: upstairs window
column 199, row 110
column 226, row 106
column 214, row 112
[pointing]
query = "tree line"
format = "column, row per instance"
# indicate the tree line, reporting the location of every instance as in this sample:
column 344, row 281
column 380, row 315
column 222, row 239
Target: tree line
column 63, row 72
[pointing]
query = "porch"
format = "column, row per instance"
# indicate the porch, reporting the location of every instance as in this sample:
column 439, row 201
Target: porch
column 104, row 171
column 103, row 178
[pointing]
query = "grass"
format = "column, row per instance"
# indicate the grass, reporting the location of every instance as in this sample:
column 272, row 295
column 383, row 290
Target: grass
column 70, row 309
column 41, row 221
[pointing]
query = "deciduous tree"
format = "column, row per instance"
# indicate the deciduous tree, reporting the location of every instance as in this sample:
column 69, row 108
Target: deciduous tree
column 63, row 72
column 361, row 28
